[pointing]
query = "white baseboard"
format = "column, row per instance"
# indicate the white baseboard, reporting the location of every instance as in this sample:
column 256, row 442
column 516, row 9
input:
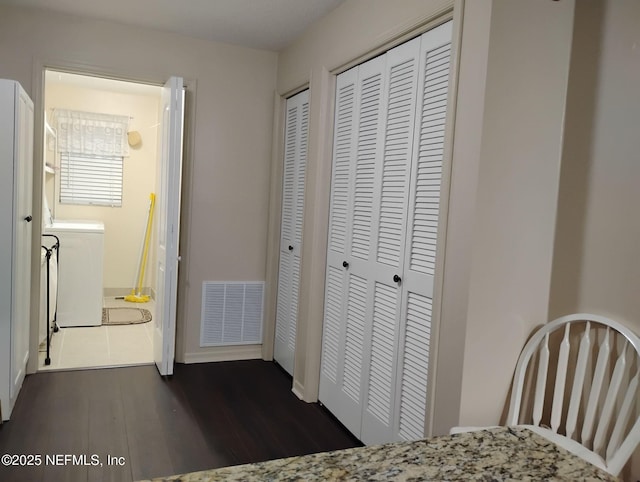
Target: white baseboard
column 225, row 353
column 298, row 390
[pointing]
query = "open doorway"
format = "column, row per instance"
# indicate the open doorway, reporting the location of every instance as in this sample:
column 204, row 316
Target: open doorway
column 98, row 205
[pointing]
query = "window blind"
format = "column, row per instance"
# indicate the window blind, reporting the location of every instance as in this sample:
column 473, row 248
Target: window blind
column 91, row 179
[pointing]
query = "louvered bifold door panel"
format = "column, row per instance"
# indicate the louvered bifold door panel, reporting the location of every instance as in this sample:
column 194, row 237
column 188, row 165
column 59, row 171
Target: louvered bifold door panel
column 300, row 176
column 365, row 175
column 364, row 161
column 390, row 205
column 422, row 230
column 337, row 281
column 294, row 169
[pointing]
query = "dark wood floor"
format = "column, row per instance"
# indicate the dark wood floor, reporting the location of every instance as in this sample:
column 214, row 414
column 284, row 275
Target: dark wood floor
column 205, row 416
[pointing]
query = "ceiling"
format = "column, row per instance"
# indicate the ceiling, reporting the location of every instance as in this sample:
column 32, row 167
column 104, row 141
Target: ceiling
column 262, row 24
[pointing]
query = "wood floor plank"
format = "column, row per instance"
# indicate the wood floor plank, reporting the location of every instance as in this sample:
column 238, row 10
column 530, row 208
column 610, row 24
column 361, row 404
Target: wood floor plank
column 66, row 430
column 204, row 416
column 107, row 432
column 149, row 452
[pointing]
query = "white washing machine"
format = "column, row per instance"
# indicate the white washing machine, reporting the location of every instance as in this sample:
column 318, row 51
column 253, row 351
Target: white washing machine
column 80, row 271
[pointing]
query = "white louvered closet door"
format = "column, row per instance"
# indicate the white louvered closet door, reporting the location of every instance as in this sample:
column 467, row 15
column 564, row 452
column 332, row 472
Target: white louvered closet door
column 332, row 369
column 295, row 161
column 358, row 149
column 387, row 163
column 388, row 233
column 422, row 229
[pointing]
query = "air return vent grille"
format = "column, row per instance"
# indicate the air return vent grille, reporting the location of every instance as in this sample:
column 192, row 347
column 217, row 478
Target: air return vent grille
column 231, row 313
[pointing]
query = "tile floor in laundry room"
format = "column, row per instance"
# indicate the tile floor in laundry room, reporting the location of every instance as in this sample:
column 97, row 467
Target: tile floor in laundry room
column 102, row 346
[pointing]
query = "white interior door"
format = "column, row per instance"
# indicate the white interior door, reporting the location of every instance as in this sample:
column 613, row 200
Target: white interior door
column 295, row 162
column 16, row 166
column 168, row 224
column 22, row 257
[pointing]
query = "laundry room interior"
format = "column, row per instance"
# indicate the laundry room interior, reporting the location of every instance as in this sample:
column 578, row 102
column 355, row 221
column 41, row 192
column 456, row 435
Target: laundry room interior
column 102, row 277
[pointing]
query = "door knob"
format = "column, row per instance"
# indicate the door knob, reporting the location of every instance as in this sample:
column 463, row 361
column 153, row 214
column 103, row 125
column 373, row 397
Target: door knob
column 290, row 248
column 345, row 264
column 397, row 278
column 28, row 218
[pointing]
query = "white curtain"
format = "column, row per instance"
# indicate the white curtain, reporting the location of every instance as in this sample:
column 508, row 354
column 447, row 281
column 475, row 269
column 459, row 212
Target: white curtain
column 91, row 133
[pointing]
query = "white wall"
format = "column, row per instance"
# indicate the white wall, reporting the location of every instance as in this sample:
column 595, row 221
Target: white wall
column 475, row 19
column 229, row 132
column 515, row 205
column 596, row 266
column 123, row 225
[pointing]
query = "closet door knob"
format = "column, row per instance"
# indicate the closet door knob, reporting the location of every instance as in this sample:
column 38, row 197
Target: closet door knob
column 397, row 278
column 290, row 248
column 28, row 218
column 345, row 264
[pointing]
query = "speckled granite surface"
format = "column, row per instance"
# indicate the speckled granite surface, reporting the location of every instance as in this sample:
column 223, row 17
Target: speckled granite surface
column 496, row 454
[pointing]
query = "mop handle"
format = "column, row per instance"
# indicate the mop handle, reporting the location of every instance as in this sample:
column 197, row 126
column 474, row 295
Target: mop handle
column 147, row 237
column 138, row 266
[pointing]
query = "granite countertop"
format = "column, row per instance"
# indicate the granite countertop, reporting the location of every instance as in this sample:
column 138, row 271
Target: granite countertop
column 495, row 454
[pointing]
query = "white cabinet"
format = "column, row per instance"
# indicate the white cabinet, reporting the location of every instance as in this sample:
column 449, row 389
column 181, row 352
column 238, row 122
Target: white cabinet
column 16, row 165
column 295, row 162
column 387, row 164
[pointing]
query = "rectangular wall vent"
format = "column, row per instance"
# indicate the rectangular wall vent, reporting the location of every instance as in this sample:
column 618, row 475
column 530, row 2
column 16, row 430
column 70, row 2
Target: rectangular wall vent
column 232, row 313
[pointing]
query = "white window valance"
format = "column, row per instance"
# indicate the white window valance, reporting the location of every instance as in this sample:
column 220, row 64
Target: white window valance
column 90, row 133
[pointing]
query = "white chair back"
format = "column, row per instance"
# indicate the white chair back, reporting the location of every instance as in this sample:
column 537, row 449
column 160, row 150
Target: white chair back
column 578, row 377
